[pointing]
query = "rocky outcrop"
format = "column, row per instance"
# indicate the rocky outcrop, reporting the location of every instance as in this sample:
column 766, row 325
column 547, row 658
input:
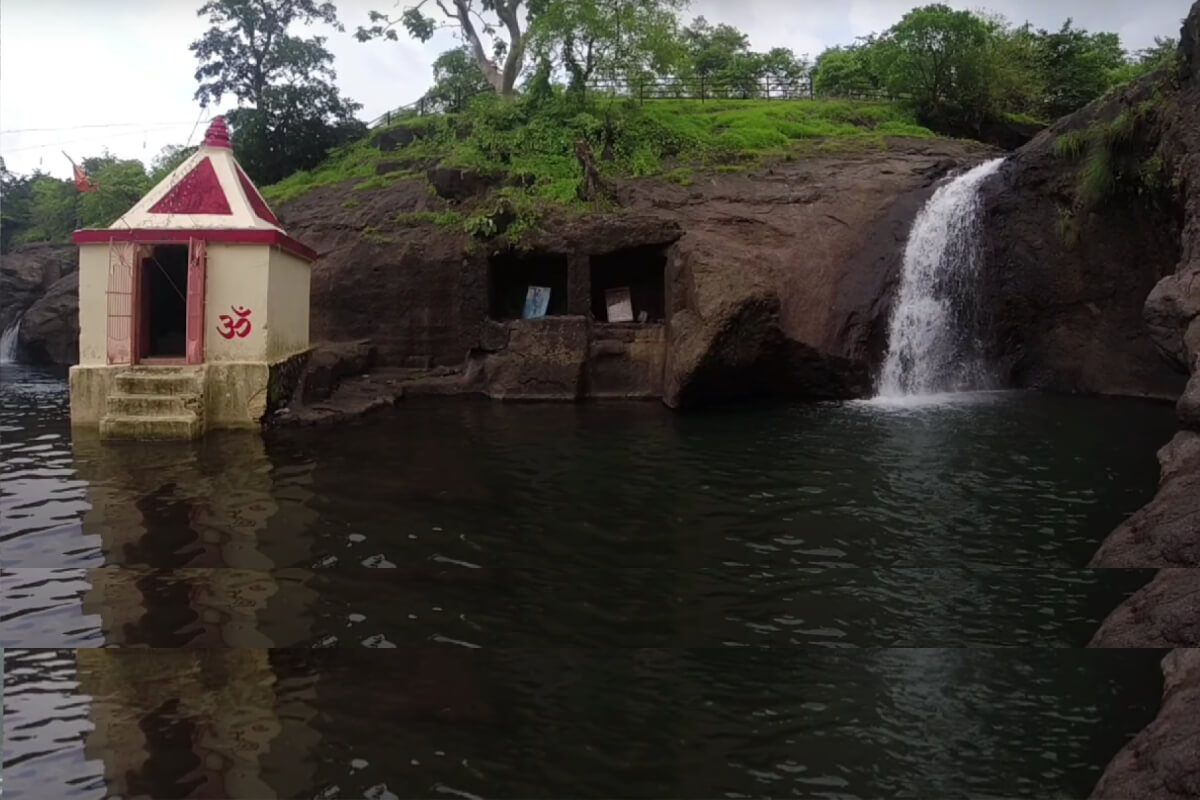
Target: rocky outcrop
column 334, row 384
column 50, row 327
column 1065, row 293
column 1164, row 613
column 774, row 278
column 1165, row 532
column 1161, row 763
column 544, row 359
column 27, row 273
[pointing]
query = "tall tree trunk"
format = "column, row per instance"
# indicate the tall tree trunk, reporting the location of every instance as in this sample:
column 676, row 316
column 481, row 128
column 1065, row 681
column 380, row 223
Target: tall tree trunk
column 502, row 80
column 506, row 10
column 490, row 71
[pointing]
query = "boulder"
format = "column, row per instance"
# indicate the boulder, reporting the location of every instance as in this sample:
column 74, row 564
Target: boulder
column 458, row 184
column 329, row 364
column 28, row 272
column 1161, row 761
column 1188, row 407
column 1172, row 316
column 1164, row 613
column 50, row 327
column 1165, row 532
column 545, row 360
column 1065, row 293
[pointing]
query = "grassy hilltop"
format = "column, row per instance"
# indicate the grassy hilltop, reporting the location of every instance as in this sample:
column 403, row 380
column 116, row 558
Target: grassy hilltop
column 529, row 145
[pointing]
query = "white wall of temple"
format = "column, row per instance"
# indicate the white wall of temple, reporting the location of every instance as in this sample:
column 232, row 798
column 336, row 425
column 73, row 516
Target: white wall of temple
column 287, row 325
column 93, row 301
column 236, row 313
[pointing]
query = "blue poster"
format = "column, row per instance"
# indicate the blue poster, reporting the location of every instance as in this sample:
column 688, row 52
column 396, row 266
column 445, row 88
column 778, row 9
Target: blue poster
column 537, row 300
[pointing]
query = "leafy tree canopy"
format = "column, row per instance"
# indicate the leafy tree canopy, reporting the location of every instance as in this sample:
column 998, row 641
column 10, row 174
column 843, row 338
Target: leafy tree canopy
column 492, row 30
column 289, row 113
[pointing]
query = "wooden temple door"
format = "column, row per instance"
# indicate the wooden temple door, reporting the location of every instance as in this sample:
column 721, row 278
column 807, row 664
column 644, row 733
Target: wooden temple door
column 123, row 298
column 196, row 286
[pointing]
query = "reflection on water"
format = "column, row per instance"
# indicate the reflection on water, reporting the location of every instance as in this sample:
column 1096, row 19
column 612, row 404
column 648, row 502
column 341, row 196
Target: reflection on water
column 597, row 600
column 1016, row 481
column 565, row 722
column 504, row 607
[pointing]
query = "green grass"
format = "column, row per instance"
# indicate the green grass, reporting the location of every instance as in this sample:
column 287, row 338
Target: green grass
column 1116, row 158
column 684, row 176
column 356, row 161
column 1023, row 119
column 530, row 147
column 1072, row 146
column 443, row 219
column 1097, row 178
column 535, row 146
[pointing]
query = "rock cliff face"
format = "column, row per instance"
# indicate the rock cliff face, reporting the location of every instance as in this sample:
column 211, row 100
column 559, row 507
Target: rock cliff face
column 1151, row 257
column 773, row 283
column 50, row 327
column 1066, row 308
column 1161, row 762
column 26, row 276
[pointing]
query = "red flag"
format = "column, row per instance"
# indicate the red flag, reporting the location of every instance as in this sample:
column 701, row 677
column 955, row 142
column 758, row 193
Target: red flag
column 82, row 182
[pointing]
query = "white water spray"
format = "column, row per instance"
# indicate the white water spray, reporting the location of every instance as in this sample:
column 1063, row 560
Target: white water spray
column 8, row 343
column 933, row 343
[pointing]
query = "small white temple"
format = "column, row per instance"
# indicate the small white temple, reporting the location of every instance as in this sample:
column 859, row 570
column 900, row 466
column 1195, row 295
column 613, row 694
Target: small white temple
column 191, row 306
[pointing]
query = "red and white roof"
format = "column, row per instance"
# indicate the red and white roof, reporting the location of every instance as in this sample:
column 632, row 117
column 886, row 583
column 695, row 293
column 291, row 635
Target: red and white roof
column 209, row 190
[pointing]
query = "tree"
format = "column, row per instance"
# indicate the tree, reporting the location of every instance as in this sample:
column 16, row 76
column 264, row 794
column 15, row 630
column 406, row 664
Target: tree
column 501, row 29
column 456, row 79
column 53, row 210
column 785, row 71
column 1076, row 67
column 941, row 59
column 1164, row 53
column 290, row 113
column 248, row 48
column 119, row 185
column 293, row 128
column 16, row 204
column 843, row 72
column 168, row 159
column 1017, row 82
column 713, row 49
column 612, row 39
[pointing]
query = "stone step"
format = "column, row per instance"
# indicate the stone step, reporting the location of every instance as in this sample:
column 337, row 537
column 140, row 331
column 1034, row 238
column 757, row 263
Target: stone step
column 144, row 383
column 120, row 404
column 177, row 427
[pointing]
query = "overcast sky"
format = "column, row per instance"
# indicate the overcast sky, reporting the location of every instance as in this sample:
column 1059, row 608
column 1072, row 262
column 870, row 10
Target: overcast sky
column 123, row 68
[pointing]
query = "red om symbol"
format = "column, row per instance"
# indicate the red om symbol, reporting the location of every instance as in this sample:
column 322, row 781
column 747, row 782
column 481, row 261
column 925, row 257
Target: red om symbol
column 240, row 327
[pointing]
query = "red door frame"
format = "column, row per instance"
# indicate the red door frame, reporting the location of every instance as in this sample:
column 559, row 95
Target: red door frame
column 197, row 287
column 140, row 333
column 139, row 301
column 119, row 336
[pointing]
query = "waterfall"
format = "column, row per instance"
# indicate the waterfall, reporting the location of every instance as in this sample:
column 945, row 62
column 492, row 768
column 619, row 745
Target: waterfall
column 8, row 343
column 933, row 343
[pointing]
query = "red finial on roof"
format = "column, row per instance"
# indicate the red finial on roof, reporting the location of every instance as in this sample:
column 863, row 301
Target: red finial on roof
column 218, row 135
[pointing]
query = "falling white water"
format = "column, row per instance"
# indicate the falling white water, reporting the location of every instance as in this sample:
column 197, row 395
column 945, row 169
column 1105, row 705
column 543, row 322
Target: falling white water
column 933, row 344
column 8, row 343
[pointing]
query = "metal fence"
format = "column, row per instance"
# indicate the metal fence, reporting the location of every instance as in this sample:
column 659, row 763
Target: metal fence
column 697, row 88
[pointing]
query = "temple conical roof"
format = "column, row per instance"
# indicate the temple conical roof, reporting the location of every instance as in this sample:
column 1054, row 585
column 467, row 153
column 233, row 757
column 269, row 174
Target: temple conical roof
column 209, row 190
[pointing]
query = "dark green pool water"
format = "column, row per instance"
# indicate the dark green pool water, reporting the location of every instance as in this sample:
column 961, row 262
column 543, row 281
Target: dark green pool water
column 473, row 599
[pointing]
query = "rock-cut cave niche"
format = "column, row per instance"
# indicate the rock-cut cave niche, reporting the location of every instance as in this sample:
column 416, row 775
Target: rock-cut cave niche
column 640, row 271
column 511, row 276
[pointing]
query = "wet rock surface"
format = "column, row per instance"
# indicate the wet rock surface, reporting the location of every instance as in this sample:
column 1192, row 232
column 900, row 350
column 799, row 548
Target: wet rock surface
column 763, row 277
column 50, row 326
column 1161, row 763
